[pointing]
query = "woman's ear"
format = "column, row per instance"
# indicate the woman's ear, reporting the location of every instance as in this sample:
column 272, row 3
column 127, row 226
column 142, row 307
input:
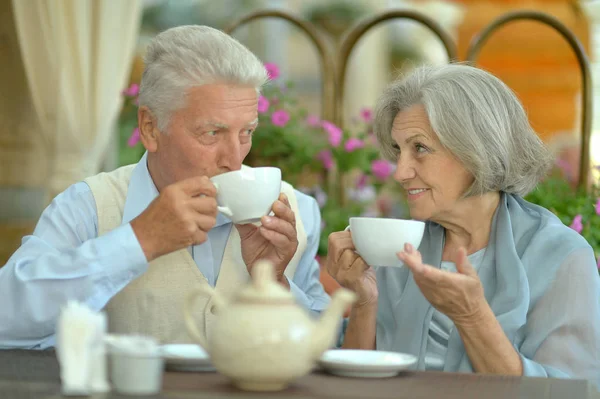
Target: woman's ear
column 148, row 126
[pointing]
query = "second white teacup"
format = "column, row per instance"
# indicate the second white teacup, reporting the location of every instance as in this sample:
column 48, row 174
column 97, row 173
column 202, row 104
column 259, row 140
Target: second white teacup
column 377, row 240
column 247, row 194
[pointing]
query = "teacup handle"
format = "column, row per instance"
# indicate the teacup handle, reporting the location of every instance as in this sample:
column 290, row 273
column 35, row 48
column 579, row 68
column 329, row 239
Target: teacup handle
column 347, row 228
column 189, row 317
column 223, row 209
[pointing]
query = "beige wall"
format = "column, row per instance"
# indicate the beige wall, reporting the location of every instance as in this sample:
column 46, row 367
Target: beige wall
column 23, row 165
column 532, row 59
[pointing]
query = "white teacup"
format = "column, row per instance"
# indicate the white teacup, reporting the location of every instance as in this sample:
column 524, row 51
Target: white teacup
column 247, row 194
column 377, row 240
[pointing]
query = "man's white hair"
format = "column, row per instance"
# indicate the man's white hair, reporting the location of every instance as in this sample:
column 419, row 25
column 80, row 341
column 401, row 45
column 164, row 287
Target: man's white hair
column 477, row 118
column 189, row 56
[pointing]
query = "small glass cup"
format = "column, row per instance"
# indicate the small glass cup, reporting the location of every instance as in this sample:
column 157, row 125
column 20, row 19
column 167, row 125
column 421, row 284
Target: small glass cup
column 136, row 364
column 133, row 374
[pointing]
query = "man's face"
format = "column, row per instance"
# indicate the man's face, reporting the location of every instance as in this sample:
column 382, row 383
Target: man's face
column 210, row 135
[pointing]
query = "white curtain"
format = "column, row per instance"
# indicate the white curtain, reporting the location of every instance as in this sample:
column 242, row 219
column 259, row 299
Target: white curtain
column 77, row 56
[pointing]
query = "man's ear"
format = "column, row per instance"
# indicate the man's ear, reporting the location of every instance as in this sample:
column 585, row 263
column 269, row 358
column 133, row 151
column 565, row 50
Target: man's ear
column 148, row 126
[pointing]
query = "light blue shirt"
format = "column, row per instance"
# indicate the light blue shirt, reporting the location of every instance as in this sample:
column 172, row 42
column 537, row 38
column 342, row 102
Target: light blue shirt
column 64, row 259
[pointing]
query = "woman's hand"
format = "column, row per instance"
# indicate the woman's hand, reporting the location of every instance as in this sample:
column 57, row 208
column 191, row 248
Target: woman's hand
column 350, row 270
column 457, row 295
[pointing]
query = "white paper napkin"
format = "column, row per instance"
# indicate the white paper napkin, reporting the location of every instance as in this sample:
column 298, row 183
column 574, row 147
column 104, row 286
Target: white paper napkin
column 81, row 350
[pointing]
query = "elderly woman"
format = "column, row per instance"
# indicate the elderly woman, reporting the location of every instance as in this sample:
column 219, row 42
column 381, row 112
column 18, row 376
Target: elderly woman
column 498, row 285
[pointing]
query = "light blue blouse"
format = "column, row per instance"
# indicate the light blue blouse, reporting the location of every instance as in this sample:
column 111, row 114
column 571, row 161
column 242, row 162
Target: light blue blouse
column 541, row 281
column 441, row 326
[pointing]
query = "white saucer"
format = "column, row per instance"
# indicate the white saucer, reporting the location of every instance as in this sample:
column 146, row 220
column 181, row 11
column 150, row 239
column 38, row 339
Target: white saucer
column 365, row 363
column 186, row 357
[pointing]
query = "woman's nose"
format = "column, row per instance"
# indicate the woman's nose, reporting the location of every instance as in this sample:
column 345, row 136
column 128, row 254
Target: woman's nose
column 404, row 170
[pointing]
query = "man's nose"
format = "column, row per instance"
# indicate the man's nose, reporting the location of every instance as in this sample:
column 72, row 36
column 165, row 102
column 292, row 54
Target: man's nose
column 231, row 154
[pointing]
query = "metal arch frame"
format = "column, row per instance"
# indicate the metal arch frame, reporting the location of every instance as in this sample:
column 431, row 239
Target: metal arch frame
column 584, row 64
column 357, row 31
column 333, row 80
column 327, row 66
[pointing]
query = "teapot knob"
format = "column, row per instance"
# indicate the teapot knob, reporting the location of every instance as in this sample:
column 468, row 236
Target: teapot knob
column 263, row 274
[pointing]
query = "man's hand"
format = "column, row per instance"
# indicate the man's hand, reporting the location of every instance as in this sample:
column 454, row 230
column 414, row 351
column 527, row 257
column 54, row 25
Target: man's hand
column 275, row 241
column 180, row 216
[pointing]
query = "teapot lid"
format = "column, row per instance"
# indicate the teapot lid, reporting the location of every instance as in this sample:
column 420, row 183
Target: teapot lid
column 264, row 287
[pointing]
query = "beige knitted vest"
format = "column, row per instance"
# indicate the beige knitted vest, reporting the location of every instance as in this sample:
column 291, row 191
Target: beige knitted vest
column 152, row 304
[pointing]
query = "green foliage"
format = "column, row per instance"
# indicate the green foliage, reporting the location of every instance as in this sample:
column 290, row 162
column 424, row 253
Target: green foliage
column 348, row 11
column 557, row 194
column 292, row 147
column 308, row 151
column 130, row 150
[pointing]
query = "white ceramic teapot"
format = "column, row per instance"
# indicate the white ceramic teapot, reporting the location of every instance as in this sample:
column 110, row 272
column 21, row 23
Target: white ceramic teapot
column 263, row 340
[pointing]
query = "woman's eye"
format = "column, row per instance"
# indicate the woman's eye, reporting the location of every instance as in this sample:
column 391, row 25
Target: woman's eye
column 421, row 148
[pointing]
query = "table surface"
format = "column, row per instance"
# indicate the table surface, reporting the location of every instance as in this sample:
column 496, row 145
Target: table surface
column 35, row 374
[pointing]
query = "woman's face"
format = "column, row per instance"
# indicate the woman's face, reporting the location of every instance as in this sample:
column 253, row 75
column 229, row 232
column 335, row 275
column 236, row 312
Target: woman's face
column 433, row 178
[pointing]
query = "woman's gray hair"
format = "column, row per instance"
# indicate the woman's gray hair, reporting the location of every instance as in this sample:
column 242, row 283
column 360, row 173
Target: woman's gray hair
column 187, row 56
column 477, row 118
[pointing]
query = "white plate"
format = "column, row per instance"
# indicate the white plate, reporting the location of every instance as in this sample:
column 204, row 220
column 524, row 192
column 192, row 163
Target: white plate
column 186, row 357
column 365, row 363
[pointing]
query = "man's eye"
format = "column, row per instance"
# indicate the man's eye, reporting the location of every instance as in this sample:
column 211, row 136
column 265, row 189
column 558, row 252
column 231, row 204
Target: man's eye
column 248, row 132
column 212, row 133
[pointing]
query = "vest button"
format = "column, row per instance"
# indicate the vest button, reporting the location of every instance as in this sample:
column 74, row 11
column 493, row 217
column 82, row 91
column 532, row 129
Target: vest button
column 213, row 309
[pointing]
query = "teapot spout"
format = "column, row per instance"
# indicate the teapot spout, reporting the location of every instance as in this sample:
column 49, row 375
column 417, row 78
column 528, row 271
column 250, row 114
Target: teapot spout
column 326, row 330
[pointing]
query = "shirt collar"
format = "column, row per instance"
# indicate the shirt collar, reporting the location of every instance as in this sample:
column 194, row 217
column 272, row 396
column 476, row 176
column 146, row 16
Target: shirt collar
column 142, row 191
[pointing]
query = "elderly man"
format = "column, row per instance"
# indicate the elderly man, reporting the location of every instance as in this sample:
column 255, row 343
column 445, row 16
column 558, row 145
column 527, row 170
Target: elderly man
column 136, row 241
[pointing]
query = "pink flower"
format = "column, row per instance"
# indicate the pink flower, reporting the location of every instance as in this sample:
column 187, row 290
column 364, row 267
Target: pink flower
column 577, row 223
column 565, row 167
column 367, row 115
column 272, row 70
column 334, row 133
column 134, row 138
column 313, row 121
column 598, row 207
column 385, row 205
column 320, row 196
column 263, row 104
column 382, row 169
column 280, row 118
column 327, row 159
column 361, row 182
column 131, row 91
column 353, row 144
column 371, row 138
